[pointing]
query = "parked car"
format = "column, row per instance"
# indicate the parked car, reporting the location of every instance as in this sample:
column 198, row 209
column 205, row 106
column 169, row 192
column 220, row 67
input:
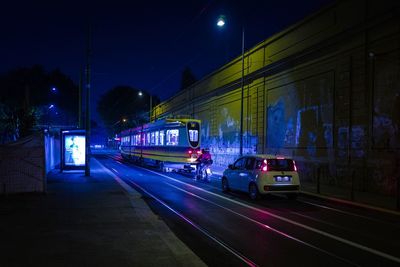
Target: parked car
column 262, row 174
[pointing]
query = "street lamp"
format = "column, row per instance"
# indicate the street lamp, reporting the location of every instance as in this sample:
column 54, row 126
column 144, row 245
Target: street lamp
column 47, row 117
column 220, row 23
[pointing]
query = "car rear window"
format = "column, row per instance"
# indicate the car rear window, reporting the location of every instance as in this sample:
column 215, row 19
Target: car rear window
column 278, row 164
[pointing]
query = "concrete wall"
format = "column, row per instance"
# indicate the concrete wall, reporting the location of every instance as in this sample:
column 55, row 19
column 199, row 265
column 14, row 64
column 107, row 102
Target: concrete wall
column 325, row 91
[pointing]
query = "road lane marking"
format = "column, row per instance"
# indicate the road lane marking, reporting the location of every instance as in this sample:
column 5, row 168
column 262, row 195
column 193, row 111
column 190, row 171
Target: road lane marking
column 337, row 238
column 127, row 187
column 307, row 202
column 263, row 225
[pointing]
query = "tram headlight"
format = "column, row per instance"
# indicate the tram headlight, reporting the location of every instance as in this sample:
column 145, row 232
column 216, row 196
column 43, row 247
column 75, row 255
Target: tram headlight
column 192, row 159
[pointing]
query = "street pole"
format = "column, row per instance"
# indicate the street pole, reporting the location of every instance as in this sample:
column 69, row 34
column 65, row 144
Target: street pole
column 80, row 122
column 241, row 97
column 151, row 107
column 87, row 158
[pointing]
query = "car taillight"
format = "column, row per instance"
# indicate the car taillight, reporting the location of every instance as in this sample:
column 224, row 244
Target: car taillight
column 294, row 166
column 199, row 152
column 190, row 152
column 264, row 167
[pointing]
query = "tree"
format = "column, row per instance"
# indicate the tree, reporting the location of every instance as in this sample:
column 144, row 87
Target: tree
column 122, row 107
column 188, row 78
column 26, row 95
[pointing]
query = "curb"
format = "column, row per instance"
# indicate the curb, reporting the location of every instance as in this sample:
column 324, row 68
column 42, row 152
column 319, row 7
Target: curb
column 180, row 251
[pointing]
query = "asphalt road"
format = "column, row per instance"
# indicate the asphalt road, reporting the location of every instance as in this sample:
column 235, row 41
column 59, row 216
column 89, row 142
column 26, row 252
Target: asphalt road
column 231, row 230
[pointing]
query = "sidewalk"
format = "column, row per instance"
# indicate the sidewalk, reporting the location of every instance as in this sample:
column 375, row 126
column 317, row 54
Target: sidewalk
column 86, row 222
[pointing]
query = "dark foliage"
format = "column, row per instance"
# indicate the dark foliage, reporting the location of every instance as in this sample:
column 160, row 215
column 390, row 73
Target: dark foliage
column 122, row 108
column 26, row 95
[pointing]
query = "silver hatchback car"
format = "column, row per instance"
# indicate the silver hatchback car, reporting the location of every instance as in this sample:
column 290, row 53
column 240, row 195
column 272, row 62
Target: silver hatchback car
column 262, row 174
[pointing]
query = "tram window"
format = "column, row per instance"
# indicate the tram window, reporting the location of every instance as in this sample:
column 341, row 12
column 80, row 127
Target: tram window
column 172, row 137
column 161, row 138
column 152, row 138
column 148, row 139
column 157, row 134
column 126, row 141
column 193, row 135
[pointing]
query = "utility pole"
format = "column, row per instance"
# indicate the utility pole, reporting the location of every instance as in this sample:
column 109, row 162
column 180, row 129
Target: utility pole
column 80, row 122
column 151, row 107
column 87, row 158
column 241, row 96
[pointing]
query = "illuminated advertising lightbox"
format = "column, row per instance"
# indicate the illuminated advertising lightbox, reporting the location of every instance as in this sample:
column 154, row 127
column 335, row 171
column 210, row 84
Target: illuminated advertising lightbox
column 73, row 149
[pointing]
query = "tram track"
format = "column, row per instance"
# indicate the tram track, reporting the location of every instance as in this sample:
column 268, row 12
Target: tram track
column 235, row 202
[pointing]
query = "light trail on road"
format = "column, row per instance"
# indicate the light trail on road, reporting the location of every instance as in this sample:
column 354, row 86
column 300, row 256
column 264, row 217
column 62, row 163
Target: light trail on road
column 200, row 187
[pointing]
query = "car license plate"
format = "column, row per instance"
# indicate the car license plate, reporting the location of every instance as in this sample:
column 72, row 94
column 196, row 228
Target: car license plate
column 283, row 178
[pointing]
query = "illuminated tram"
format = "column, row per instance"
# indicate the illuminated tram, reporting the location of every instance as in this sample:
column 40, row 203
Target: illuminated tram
column 166, row 143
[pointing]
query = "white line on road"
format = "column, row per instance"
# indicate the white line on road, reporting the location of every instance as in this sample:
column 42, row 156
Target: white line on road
column 221, row 243
column 263, row 225
column 337, row 238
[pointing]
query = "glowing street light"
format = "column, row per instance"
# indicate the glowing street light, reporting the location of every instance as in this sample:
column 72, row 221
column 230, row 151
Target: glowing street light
column 221, row 21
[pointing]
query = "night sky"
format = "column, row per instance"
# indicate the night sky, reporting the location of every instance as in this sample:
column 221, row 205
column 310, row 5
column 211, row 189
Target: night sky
column 143, row 44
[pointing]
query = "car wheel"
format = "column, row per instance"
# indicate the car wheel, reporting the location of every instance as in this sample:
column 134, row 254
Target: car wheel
column 225, row 185
column 292, row 196
column 253, row 191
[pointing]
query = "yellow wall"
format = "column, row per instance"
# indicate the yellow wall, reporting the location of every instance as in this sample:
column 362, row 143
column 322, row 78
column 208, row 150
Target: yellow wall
column 325, row 91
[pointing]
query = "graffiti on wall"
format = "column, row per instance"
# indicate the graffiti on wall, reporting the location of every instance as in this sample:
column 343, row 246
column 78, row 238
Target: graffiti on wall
column 386, row 110
column 358, row 141
column 300, row 116
column 384, row 131
column 342, row 142
column 224, row 145
column 276, row 126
